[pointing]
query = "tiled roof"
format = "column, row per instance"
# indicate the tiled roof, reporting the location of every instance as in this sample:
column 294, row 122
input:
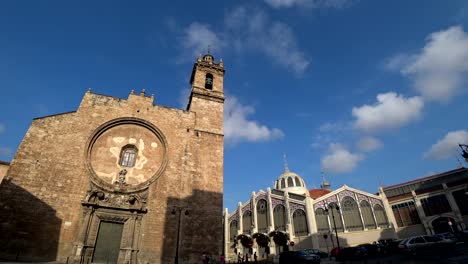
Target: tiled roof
column 316, row 193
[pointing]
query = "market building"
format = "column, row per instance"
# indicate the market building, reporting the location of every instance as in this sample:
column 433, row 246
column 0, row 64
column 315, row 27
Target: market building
column 289, row 216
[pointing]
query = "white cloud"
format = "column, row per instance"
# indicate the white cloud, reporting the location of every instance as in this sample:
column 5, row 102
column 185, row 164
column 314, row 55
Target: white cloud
column 339, row 159
column 197, row 38
column 237, row 126
column 253, row 29
column 308, row 3
column 440, row 70
column 447, row 147
column 390, row 111
column 368, row 144
column 247, row 29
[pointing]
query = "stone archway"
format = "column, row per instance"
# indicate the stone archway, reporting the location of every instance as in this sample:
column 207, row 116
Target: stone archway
column 444, row 224
column 281, row 240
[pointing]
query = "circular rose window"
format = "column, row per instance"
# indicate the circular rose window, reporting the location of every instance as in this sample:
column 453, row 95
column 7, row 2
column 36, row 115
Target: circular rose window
column 126, row 154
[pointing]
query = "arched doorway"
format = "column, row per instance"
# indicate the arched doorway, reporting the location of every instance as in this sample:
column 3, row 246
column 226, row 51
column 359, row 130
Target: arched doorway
column 263, row 242
column 443, row 225
column 281, row 241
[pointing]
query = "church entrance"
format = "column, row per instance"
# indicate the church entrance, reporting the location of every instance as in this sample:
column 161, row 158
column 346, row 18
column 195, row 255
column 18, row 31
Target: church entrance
column 108, row 243
column 444, row 225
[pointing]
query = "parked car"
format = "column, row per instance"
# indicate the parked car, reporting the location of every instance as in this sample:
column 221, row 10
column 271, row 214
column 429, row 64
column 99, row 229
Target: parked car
column 352, row 253
column 334, row 252
column 320, row 253
column 462, row 236
column 298, row 257
column 374, row 249
column 447, row 235
column 420, row 245
column 392, row 247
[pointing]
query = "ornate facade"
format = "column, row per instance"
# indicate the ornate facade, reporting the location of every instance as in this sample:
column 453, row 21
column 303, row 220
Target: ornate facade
column 96, row 185
column 290, row 216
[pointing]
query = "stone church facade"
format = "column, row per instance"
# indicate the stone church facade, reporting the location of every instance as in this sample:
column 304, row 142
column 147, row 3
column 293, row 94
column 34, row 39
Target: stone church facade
column 120, row 180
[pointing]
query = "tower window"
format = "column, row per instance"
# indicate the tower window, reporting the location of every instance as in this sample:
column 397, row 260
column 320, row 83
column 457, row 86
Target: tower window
column 209, row 81
column 128, row 156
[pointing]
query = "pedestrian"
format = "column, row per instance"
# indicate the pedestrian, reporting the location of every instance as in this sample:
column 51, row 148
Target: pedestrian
column 221, row 259
column 204, row 258
column 255, row 257
column 246, row 257
column 208, row 259
column 239, row 258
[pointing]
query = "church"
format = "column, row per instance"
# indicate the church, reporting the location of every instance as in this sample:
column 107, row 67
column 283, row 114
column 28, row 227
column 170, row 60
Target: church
column 120, row 180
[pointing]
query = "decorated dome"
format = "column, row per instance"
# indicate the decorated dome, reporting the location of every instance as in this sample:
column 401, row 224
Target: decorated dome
column 291, row 182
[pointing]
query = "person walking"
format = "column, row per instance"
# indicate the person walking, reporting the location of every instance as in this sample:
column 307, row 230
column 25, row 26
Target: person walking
column 221, row 259
column 255, row 257
column 239, row 259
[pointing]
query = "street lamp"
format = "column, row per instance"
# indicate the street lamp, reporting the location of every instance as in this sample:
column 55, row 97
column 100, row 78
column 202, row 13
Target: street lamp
column 464, row 149
column 334, row 206
column 179, row 209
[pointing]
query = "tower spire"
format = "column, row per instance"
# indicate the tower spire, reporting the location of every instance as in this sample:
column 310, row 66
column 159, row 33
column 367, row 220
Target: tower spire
column 286, row 169
column 325, row 184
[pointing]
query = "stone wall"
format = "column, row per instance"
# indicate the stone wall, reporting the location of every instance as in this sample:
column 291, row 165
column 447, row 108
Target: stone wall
column 3, row 169
column 50, row 178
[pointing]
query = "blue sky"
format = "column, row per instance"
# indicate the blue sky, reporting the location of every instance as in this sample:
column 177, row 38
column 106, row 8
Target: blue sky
column 369, row 92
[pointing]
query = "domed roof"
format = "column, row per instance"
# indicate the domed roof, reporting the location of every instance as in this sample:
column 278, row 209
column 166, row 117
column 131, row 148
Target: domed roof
column 291, row 182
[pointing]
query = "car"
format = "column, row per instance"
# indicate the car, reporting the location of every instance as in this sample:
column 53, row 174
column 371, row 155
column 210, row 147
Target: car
column 334, row 252
column 374, row 249
column 462, row 236
column 320, row 253
column 420, row 245
column 392, row 246
column 447, row 235
column 298, row 257
column 352, row 253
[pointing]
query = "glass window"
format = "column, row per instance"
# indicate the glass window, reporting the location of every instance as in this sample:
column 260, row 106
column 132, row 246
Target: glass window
column 366, row 211
column 262, row 216
column 461, row 198
column 233, row 230
column 380, row 216
column 322, row 220
column 351, row 216
column 128, row 156
column 246, row 222
column 298, row 182
column 406, row 214
column 300, row 223
column 283, row 184
column 336, row 214
column 290, row 182
column 435, row 205
column 279, row 217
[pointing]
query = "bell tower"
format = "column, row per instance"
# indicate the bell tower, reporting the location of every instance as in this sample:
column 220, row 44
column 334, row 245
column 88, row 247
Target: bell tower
column 207, row 94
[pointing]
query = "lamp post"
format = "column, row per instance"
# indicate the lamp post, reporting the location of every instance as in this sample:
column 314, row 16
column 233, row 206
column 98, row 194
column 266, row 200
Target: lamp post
column 334, row 223
column 179, row 209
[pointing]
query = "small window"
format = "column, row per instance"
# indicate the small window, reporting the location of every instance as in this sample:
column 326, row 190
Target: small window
column 290, row 182
column 128, row 156
column 209, row 81
column 298, row 182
